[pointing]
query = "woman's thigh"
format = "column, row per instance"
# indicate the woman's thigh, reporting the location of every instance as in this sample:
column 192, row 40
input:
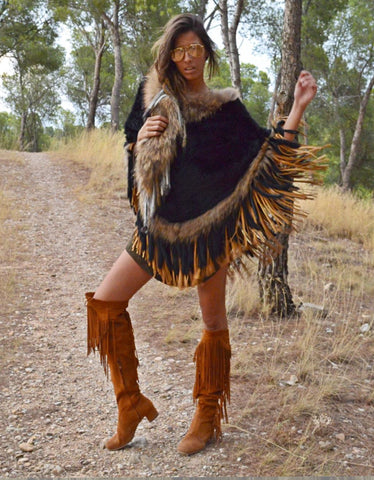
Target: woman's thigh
column 123, row 280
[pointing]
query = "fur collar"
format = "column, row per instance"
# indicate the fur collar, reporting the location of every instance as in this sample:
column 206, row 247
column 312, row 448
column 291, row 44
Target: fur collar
column 194, row 108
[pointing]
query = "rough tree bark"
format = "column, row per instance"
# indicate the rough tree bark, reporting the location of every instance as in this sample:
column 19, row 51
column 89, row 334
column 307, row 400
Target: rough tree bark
column 229, row 38
column 114, row 26
column 22, row 132
column 94, row 96
column 343, row 147
column 354, row 150
column 273, row 276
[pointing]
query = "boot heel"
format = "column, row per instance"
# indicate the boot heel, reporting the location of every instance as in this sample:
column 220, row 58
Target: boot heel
column 151, row 414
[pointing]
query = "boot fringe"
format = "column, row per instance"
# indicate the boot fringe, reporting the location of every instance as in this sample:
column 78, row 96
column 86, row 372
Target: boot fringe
column 212, row 358
column 101, row 318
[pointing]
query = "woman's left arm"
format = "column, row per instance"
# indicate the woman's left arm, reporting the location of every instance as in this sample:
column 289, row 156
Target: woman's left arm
column 305, row 91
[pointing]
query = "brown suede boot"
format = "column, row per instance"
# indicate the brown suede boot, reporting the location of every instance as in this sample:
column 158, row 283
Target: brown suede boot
column 211, row 391
column 109, row 331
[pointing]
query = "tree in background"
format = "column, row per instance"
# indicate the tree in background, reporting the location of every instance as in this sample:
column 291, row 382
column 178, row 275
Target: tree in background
column 9, row 130
column 30, row 36
column 338, row 46
column 273, row 276
column 33, row 97
column 255, row 87
column 18, row 20
column 229, row 31
column 359, row 41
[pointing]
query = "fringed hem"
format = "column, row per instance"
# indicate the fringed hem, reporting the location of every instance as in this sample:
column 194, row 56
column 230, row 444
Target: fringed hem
column 101, row 318
column 212, row 383
column 261, row 206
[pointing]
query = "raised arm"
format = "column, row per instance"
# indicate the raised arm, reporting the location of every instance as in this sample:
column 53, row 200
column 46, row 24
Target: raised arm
column 305, row 91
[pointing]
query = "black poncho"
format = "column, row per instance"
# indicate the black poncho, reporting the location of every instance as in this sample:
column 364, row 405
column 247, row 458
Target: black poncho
column 213, row 186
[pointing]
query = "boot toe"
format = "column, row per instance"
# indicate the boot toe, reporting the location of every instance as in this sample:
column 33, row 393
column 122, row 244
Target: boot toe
column 115, row 443
column 191, row 444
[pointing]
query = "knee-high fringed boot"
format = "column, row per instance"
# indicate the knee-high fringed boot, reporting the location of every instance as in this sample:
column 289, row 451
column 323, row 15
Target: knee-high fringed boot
column 109, row 331
column 211, row 391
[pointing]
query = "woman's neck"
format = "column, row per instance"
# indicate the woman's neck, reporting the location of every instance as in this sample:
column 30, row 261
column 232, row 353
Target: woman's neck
column 194, row 89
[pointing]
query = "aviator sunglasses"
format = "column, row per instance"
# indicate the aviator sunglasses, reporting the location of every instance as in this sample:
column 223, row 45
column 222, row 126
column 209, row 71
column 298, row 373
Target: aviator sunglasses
column 194, row 50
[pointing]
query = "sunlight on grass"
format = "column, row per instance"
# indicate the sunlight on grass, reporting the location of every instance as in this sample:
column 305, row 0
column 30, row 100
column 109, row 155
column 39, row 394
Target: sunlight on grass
column 7, row 275
column 341, row 215
column 102, row 152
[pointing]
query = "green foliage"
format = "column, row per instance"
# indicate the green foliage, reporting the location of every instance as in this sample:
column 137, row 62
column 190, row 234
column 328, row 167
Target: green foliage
column 9, row 130
column 255, row 87
column 27, row 36
column 80, row 79
column 345, row 39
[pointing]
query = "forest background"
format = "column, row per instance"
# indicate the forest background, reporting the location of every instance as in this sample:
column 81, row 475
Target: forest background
column 110, row 51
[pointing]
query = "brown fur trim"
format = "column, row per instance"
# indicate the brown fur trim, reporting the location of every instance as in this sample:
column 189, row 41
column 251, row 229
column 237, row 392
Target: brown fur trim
column 194, row 107
column 155, row 154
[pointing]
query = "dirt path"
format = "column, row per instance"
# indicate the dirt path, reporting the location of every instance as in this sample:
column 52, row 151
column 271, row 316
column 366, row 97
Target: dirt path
column 52, row 396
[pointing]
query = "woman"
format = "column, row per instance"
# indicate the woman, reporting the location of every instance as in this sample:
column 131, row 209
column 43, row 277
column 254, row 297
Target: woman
column 207, row 184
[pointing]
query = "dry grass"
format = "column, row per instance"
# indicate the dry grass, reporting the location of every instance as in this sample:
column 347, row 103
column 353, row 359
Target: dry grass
column 308, row 380
column 10, row 233
column 102, row 153
column 7, row 276
column 341, row 215
column 11, row 156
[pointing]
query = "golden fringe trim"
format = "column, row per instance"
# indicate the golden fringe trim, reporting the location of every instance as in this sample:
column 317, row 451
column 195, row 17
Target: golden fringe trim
column 272, row 214
column 101, row 319
column 212, row 358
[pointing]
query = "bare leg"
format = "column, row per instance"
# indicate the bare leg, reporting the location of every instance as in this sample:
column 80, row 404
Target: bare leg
column 212, row 301
column 123, row 280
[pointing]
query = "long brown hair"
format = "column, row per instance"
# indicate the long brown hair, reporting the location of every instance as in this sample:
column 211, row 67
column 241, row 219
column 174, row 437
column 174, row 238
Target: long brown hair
column 167, row 72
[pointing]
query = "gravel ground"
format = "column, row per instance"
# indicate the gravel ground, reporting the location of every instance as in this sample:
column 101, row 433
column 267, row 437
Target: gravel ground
column 56, row 405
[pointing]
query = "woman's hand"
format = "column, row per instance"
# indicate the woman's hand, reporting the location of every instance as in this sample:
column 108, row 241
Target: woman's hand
column 305, row 89
column 153, row 127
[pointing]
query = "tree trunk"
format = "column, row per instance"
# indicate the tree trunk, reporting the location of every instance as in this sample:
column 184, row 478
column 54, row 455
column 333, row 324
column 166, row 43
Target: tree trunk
column 343, row 145
column 94, row 96
column 353, row 154
column 275, row 293
column 229, row 39
column 273, row 276
column 291, row 55
column 22, row 133
column 118, row 66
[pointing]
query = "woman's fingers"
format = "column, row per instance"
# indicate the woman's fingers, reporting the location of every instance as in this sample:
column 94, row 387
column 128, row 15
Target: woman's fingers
column 153, row 126
column 306, row 79
column 156, row 125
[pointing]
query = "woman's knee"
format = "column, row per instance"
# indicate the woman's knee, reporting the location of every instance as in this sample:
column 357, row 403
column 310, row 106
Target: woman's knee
column 123, row 280
column 214, row 323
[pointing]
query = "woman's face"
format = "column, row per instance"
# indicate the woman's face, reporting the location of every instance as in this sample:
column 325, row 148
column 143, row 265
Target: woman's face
column 190, row 67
